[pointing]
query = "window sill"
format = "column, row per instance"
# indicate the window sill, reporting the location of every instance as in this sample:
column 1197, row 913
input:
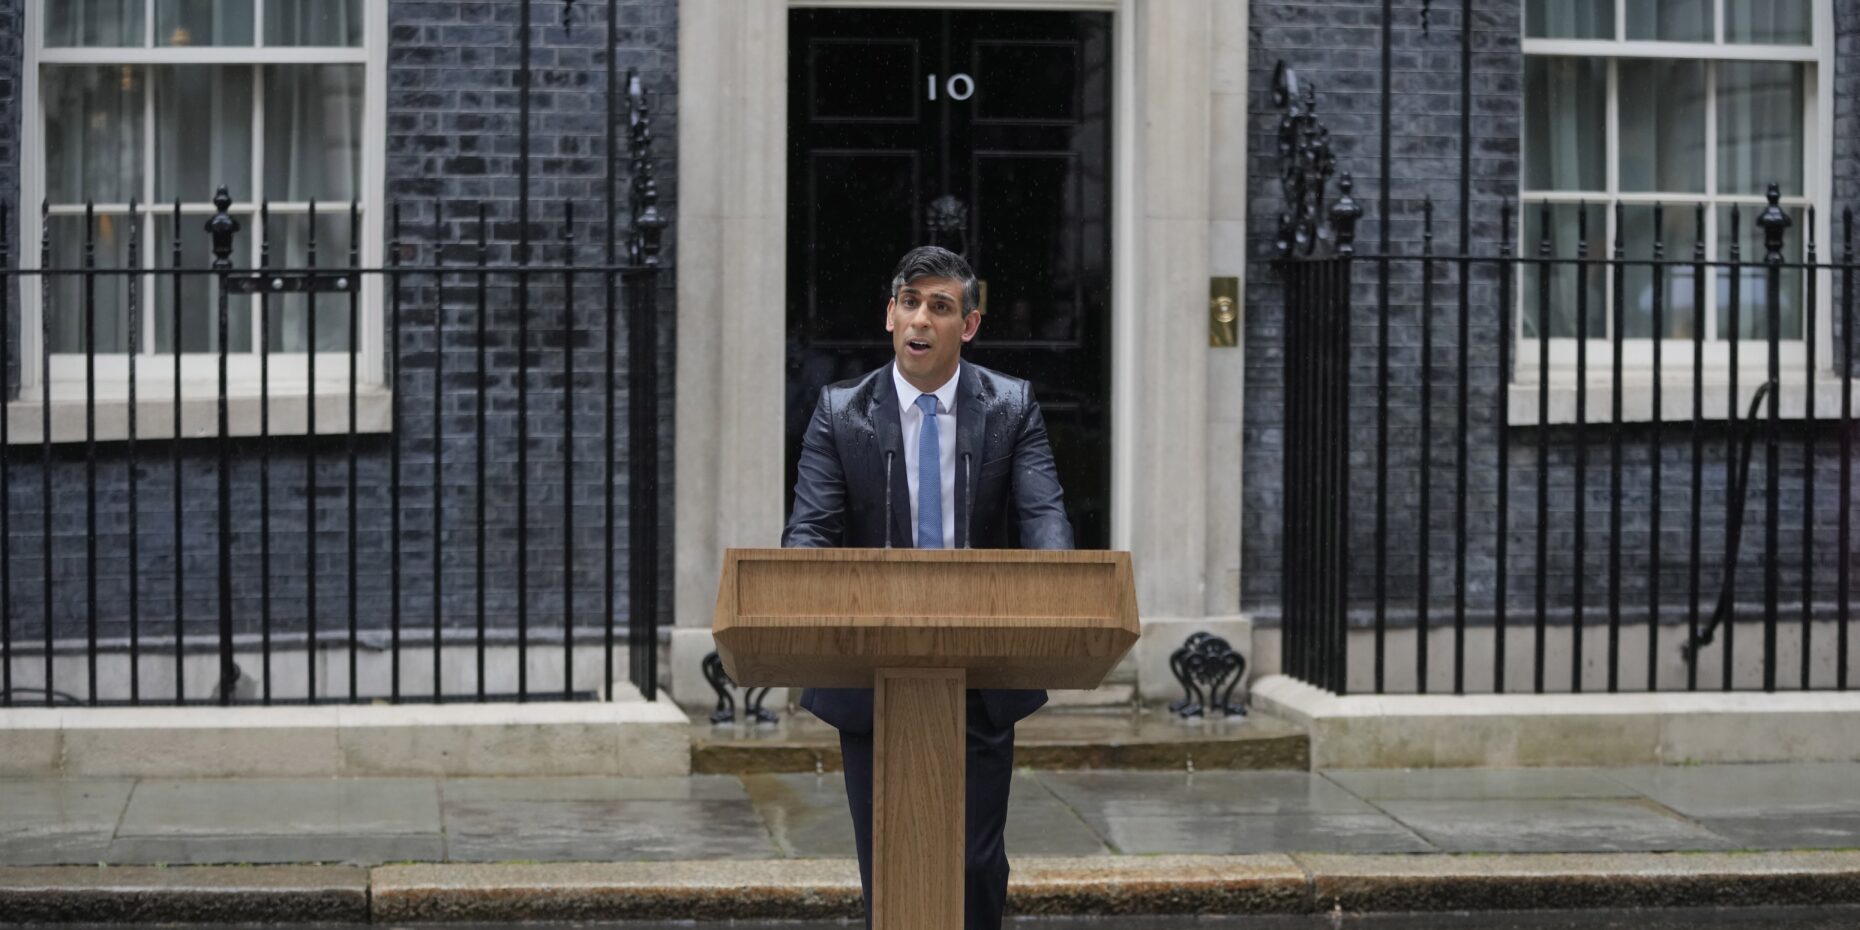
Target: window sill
column 1675, row 400
column 199, row 417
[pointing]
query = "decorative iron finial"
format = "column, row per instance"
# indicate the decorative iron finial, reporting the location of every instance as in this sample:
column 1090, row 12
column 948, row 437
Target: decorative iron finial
column 222, row 227
column 1305, row 165
column 1775, row 223
column 1427, row 9
column 568, row 8
column 1344, row 214
column 648, row 225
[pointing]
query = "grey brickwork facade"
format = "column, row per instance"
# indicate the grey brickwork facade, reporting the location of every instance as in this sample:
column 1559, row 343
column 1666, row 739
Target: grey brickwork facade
column 1338, row 46
column 451, row 144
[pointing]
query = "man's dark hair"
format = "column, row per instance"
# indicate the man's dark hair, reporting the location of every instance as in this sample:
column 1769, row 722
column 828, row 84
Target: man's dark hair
column 931, row 261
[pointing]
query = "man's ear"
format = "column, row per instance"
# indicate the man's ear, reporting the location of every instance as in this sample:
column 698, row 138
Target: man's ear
column 890, row 305
column 971, row 323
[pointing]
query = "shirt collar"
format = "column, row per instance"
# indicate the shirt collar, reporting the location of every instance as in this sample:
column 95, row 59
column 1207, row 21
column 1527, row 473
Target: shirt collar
column 908, row 393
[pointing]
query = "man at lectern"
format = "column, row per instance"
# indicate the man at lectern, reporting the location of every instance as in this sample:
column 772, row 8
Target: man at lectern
column 931, row 452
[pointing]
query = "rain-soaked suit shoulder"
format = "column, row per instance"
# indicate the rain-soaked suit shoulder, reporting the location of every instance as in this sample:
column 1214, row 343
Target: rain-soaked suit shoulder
column 841, row 500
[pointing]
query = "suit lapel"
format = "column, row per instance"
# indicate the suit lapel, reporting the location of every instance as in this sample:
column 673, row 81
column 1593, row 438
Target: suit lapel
column 970, row 423
column 891, row 448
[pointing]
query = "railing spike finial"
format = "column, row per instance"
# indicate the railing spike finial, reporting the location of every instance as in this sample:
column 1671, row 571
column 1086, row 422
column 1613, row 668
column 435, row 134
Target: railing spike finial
column 1775, row 224
column 648, row 224
column 223, row 227
column 1344, row 214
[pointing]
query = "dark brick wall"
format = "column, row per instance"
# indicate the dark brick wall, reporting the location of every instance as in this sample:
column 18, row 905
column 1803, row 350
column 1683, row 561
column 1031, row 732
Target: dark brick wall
column 451, row 144
column 1338, row 46
column 11, row 57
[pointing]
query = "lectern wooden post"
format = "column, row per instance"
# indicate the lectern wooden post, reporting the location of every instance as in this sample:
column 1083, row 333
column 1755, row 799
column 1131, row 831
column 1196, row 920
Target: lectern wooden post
column 920, row 626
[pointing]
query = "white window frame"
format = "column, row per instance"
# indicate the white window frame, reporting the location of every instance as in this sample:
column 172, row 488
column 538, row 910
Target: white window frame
column 1676, row 354
column 200, row 371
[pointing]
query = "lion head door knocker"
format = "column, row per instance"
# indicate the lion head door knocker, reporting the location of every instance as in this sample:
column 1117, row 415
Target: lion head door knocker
column 947, row 222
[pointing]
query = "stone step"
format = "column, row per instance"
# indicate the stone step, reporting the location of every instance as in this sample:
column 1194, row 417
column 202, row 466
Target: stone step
column 1055, row 738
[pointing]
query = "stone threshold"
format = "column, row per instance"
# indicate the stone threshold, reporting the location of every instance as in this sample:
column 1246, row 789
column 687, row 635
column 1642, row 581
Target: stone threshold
column 1589, row 729
column 1054, row 739
column 829, row 888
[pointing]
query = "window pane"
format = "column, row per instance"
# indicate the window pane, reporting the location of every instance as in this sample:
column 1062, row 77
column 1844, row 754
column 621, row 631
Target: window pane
column 109, row 23
column 1662, row 125
column 1760, row 126
column 1752, row 316
column 1670, row 20
column 93, row 133
column 313, row 125
column 1564, row 111
column 107, row 294
column 313, row 22
column 203, row 132
column 200, row 312
column 1565, row 279
column 1778, row 22
column 290, row 315
column 1569, row 19
column 203, row 22
column 1677, row 234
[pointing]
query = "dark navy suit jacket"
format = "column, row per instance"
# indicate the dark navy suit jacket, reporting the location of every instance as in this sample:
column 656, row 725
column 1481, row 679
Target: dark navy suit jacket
column 841, row 501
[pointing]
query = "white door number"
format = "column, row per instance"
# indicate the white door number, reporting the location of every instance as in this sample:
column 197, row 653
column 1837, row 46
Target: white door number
column 958, row 87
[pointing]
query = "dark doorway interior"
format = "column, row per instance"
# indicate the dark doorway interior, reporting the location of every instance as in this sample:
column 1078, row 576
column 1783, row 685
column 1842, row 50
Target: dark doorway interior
column 984, row 132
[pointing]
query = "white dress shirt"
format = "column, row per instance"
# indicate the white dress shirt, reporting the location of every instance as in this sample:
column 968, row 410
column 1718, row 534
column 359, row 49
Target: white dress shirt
column 912, row 419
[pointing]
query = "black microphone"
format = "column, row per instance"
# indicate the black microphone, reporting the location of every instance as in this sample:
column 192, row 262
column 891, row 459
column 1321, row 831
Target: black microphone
column 888, row 454
column 968, row 503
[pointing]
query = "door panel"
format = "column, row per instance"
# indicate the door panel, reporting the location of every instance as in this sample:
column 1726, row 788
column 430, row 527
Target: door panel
column 986, row 132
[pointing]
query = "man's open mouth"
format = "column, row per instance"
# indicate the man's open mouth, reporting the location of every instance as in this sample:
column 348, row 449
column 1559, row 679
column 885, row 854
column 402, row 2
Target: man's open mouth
column 918, row 345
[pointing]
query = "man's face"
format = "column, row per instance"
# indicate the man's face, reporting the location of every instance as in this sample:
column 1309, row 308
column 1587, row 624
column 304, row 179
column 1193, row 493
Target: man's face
column 927, row 330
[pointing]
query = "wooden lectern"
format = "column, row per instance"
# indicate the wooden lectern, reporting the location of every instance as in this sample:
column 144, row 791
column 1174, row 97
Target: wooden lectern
column 920, row 626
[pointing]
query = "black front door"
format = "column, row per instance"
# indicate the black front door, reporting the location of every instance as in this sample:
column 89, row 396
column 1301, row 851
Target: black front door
column 987, row 133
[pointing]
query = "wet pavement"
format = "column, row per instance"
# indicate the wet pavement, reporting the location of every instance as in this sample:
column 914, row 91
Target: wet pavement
column 1051, row 813
column 1671, row 919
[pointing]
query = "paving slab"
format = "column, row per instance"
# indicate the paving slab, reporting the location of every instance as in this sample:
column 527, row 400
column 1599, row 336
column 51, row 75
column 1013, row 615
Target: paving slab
column 1788, row 831
column 1561, row 825
column 681, row 788
column 808, row 818
column 1233, row 834
column 1749, row 790
column 349, row 849
column 1581, row 881
column 1227, row 813
column 48, row 822
column 1201, row 793
column 193, row 895
column 1479, row 784
column 604, row 830
column 282, row 807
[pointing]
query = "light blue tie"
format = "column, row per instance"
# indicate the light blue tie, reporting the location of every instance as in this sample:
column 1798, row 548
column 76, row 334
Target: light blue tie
column 929, row 478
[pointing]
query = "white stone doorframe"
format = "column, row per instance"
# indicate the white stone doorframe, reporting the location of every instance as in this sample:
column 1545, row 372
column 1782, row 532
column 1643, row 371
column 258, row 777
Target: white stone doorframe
column 1179, row 181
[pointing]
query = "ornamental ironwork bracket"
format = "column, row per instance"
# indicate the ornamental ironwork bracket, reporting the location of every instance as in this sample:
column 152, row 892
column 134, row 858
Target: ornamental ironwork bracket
column 1306, row 165
column 1208, row 669
column 725, row 711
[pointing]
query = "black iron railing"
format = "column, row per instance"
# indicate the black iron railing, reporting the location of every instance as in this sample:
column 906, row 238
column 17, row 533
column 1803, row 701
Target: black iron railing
column 462, row 533
column 1532, row 523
